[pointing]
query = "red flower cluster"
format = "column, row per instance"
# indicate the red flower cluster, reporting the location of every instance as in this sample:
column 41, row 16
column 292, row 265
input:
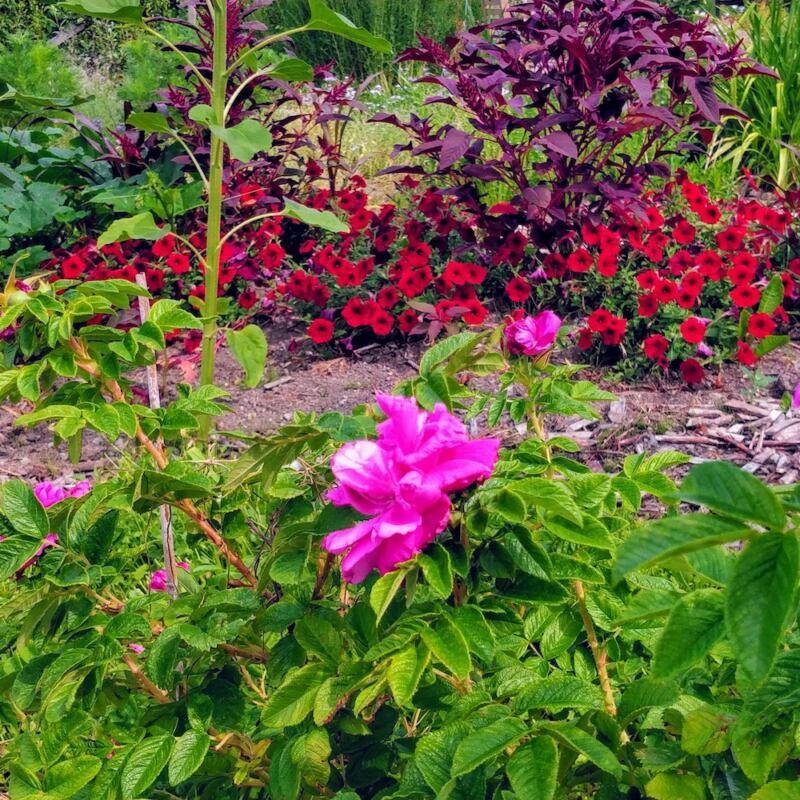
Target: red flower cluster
column 392, row 266
column 692, row 283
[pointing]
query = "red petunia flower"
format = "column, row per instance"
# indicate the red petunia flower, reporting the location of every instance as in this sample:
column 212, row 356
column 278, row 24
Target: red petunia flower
column 600, row 320
column 648, row 279
column 518, row 290
column 272, row 255
column 794, row 266
column 476, row 274
column 730, row 240
column 654, row 219
column 692, row 371
column 693, row 330
column 686, row 299
column 382, row 322
column 680, row 262
column 648, row 305
column 585, row 339
column 580, row 261
column 407, row 320
column 738, row 276
column 655, row 346
column 388, row 297
column 684, row 232
column 666, row 291
column 745, row 354
column 179, row 263
column 154, row 278
column 476, row 313
column 416, row 254
column 320, row 331
column 192, row 341
column 164, row 246
column 745, row 296
column 761, row 325
column 247, row 299
column 710, row 215
column 358, row 312
column 73, row 267
column 607, row 264
column 711, row 265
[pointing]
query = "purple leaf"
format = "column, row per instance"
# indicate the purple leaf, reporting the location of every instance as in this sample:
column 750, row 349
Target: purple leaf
column 560, row 142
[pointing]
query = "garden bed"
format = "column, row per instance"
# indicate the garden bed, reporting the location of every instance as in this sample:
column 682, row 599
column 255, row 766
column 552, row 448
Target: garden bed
column 724, row 419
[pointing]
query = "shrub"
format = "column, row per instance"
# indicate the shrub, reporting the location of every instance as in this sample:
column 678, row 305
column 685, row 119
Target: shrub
column 538, row 636
column 574, row 107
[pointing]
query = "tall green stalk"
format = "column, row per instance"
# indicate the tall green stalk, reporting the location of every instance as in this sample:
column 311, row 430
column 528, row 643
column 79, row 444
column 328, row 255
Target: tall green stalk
column 219, row 84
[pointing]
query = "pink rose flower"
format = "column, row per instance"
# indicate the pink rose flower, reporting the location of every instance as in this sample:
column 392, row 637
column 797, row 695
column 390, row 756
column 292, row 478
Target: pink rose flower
column 401, row 482
column 532, row 336
column 48, row 494
column 158, row 580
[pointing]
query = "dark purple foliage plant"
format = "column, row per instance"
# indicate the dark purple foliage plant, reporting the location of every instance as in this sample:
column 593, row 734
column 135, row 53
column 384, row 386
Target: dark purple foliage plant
column 573, row 106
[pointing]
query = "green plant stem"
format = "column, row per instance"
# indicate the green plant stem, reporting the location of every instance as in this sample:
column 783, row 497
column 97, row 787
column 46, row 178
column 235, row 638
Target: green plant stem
column 214, row 220
column 599, row 654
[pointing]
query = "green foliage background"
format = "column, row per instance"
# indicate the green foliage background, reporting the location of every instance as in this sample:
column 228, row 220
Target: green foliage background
column 395, row 20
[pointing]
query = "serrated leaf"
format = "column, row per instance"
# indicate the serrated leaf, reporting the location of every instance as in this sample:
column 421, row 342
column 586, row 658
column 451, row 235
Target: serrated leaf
column 384, row 591
column 644, row 694
column 557, row 692
column 695, row 623
column 245, row 139
column 168, row 315
column 405, row 671
column 760, row 599
column 585, row 744
column 706, row 730
column 723, row 487
column 129, row 11
column 671, row 786
column 293, row 700
column 188, row 756
column 778, row 790
column 144, row 765
column 533, row 769
column 486, row 744
column 449, row 646
column 674, row 536
column 23, row 510
column 65, row 779
column 437, row 569
column 149, row 122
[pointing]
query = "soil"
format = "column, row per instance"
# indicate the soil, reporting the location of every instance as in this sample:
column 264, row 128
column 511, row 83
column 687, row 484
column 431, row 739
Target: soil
column 703, row 422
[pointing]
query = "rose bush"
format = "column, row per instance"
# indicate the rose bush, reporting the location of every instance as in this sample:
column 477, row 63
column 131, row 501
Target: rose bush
column 539, row 635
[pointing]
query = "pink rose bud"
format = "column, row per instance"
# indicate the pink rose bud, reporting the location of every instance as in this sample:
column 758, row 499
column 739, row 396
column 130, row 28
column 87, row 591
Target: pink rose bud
column 533, row 336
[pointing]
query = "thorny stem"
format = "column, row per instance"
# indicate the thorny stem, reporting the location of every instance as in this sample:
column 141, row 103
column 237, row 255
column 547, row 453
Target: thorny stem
column 158, row 456
column 599, row 653
column 322, row 575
